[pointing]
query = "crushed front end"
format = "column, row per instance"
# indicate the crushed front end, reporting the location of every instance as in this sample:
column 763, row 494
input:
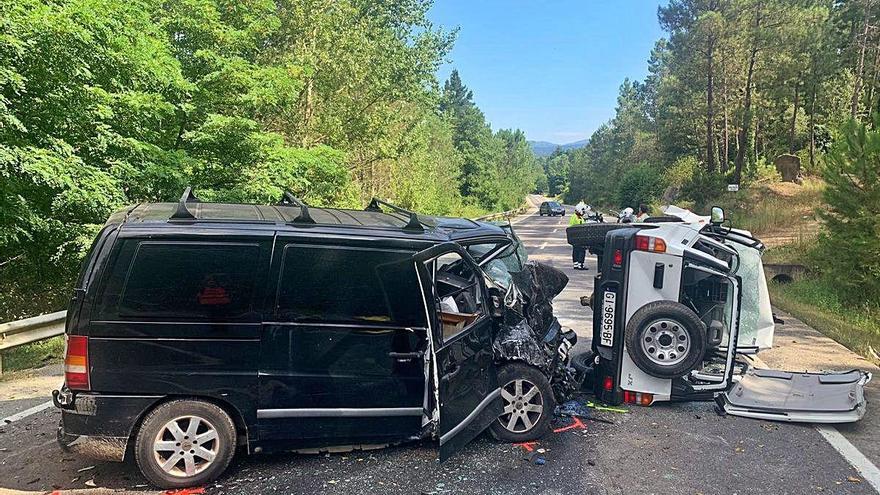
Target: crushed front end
column 529, row 331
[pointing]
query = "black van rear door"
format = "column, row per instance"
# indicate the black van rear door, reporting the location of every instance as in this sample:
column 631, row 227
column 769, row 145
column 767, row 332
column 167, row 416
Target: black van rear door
column 468, row 391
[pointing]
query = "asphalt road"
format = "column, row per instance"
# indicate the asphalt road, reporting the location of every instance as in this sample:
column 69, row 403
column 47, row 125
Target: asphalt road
column 667, row 448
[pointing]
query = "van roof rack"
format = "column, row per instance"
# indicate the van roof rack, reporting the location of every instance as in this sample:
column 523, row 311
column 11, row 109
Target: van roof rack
column 288, row 199
column 304, row 217
column 414, row 223
column 182, row 212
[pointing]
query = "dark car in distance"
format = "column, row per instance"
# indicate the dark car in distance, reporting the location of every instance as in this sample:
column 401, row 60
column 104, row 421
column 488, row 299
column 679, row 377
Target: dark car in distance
column 200, row 329
column 551, row 208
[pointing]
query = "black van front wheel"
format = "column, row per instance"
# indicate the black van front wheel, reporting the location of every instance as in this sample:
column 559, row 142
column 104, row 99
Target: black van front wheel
column 184, row 443
column 528, row 404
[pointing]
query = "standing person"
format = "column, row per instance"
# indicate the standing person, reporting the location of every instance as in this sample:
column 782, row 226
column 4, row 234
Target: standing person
column 643, row 213
column 578, row 254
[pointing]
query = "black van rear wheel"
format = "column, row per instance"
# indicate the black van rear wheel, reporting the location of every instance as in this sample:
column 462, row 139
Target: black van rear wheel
column 184, row 443
column 665, row 339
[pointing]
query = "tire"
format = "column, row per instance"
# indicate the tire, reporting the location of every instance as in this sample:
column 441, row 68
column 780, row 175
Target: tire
column 531, row 379
column 583, row 361
column 590, row 235
column 214, row 428
column 665, row 339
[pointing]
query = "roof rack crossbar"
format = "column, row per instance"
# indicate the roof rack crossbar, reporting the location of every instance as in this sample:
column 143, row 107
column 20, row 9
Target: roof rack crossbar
column 289, row 199
column 182, row 212
column 414, row 223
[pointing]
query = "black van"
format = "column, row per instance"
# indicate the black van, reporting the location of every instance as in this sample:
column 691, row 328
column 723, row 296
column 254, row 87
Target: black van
column 197, row 329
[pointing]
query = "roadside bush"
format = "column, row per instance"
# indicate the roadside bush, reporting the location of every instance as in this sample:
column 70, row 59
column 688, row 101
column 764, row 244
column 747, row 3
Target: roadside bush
column 849, row 250
column 687, row 182
column 640, row 184
column 677, row 177
column 764, row 172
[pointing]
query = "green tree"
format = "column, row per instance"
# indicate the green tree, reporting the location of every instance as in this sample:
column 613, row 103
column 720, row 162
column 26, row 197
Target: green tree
column 106, row 102
column 497, row 170
column 852, row 217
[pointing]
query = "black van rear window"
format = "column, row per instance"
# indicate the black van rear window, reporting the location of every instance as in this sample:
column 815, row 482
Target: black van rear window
column 190, row 280
column 349, row 285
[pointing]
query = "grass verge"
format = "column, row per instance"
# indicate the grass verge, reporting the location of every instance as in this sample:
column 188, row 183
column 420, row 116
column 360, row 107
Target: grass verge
column 34, row 355
column 814, row 302
column 775, row 208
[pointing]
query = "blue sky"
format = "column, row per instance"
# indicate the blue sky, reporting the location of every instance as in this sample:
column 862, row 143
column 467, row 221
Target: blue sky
column 551, row 68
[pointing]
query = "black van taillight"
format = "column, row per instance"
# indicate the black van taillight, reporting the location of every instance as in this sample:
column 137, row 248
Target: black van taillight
column 76, row 362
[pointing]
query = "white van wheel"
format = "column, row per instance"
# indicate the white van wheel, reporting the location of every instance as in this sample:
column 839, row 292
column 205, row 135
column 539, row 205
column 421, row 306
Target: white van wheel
column 665, row 339
column 665, row 342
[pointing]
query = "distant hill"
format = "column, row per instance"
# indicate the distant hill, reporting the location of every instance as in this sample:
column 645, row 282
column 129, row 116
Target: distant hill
column 544, row 148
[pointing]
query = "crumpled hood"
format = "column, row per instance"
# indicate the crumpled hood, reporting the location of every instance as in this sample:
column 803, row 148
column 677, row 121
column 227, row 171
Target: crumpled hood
column 530, row 333
column 539, row 283
column 543, row 280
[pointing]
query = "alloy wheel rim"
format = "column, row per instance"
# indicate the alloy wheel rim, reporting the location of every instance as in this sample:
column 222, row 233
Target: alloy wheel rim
column 186, row 446
column 665, row 342
column 523, row 406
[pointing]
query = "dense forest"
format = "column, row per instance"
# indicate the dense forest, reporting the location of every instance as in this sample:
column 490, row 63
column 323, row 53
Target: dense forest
column 105, row 103
column 735, row 84
column 732, row 86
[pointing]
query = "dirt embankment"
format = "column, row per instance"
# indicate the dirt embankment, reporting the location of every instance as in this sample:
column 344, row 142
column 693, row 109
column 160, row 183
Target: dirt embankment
column 779, row 213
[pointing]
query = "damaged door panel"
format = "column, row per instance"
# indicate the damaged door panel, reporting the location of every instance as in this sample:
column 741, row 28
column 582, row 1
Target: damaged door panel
column 827, row 397
column 456, row 302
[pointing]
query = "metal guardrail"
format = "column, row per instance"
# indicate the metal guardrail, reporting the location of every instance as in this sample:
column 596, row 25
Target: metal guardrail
column 502, row 215
column 29, row 330
column 21, row 332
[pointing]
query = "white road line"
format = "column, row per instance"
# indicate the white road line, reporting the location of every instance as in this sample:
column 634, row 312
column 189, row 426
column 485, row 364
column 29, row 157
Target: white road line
column 543, row 245
column 26, row 413
column 849, row 452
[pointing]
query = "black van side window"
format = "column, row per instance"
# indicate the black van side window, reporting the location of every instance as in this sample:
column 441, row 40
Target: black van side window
column 190, row 280
column 349, row 285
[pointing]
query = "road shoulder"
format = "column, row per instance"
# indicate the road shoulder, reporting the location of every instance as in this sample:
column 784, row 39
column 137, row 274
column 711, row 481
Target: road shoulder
column 799, row 347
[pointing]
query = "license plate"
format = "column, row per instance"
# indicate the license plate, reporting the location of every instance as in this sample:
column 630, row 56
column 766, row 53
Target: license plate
column 609, row 305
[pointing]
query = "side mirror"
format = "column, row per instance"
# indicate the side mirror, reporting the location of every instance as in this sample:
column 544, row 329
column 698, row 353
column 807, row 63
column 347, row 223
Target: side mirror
column 717, row 217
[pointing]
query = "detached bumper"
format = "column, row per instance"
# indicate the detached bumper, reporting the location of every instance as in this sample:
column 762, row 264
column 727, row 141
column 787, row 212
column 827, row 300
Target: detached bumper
column 98, row 425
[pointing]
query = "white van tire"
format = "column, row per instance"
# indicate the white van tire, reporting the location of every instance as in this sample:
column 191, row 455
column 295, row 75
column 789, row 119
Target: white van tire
column 666, row 339
column 199, row 435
